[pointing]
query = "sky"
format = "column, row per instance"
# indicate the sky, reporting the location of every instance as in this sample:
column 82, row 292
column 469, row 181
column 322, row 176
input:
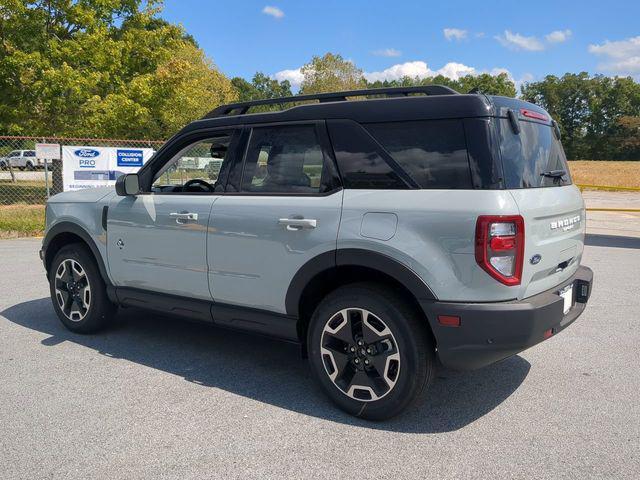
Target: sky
column 389, row 39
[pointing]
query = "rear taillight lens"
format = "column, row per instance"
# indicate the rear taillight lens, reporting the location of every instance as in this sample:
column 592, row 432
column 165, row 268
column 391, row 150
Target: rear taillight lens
column 500, row 247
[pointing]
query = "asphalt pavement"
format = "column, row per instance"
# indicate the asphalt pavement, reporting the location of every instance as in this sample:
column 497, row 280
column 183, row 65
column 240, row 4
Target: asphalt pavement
column 160, row 398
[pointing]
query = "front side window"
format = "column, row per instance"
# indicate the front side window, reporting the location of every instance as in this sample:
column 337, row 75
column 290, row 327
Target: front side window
column 197, row 167
column 432, row 152
column 285, row 159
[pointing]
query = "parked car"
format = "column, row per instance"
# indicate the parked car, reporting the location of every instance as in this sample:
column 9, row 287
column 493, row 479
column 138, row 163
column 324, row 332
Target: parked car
column 21, row 159
column 382, row 235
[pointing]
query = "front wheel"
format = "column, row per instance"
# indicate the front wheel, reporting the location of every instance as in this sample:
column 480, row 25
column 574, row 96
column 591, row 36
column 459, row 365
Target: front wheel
column 370, row 351
column 78, row 291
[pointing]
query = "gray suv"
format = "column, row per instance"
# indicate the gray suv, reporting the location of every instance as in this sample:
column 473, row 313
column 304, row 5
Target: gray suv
column 414, row 227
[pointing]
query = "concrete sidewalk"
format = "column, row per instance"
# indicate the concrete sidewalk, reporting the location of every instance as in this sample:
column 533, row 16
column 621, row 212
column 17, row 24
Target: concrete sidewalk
column 613, row 223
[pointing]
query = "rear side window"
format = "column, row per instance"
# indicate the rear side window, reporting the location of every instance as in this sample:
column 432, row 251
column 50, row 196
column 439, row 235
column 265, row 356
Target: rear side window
column 529, row 154
column 361, row 162
column 432, row 152
column 30, row 153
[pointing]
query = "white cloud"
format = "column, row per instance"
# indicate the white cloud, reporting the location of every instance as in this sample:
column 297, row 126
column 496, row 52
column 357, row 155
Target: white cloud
column 455, row 70
column 294, row 76
column 622, row 56
column 558, row 36
column 454, row 34
column 275, row 12
column 420, row 69
column 515, row 41
column 407, row 69
column 387, row 52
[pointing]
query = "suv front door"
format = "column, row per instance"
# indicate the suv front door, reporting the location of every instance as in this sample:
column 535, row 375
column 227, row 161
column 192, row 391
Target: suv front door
column 156, row 240
column 280, row 210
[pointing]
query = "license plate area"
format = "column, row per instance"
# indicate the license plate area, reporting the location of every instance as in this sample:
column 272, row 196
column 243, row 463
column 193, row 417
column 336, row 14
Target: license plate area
column 567, row 296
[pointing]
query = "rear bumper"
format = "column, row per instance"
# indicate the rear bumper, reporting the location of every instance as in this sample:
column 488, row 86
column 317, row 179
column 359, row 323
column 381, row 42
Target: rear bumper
column 490, row 332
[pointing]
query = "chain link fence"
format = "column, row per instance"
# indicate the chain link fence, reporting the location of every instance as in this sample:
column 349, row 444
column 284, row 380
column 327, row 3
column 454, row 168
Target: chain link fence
column 26, row 182
column 25, row 179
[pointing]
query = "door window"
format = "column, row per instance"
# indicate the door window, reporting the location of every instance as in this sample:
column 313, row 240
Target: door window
column 197, row 168
column 432, row 152
column 286, row 159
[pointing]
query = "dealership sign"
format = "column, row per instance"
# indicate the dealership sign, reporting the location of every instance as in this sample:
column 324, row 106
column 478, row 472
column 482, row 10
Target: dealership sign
column 91, row 167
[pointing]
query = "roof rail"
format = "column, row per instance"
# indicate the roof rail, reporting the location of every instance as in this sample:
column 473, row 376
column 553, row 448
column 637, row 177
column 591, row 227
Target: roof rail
column 241, row 108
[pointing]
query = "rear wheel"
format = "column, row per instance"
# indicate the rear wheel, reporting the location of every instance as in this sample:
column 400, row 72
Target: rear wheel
column 371, row 353
column 30, row 166
column 78, row 291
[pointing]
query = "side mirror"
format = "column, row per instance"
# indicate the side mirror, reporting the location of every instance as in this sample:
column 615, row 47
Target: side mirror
column 128, row 184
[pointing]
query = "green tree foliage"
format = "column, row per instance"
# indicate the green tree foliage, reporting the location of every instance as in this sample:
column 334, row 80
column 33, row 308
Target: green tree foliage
column 331, row 73
column 101, row 68
column 499, row 84
column 590, row 111
column 261, row 87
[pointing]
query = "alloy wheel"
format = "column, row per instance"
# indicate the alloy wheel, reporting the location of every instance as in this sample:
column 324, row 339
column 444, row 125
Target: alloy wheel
column 73, row 291
column 360, row 354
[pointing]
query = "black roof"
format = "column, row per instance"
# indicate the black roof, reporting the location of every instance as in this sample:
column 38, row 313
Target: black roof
column 437, row 102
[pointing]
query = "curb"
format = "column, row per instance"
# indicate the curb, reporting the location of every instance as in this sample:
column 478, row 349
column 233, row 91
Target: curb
column 608, row 188
column 635, row 210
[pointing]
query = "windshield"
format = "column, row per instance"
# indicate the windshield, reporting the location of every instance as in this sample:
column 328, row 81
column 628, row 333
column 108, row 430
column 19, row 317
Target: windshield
column 527, row 155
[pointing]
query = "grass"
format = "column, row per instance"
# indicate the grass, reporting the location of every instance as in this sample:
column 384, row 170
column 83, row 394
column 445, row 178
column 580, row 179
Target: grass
column 21, row 220
column 606, row 173
column 29, row 192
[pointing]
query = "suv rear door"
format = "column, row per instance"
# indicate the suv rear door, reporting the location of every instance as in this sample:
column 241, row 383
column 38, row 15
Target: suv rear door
column 281, row 208
column 552, row 207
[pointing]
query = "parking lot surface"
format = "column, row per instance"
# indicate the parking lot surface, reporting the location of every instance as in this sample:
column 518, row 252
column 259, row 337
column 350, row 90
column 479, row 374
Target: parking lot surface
column 160, row 398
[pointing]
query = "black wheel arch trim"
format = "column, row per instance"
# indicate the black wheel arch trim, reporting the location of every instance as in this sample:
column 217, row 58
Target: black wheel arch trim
column 74, row 228
column 331, row 261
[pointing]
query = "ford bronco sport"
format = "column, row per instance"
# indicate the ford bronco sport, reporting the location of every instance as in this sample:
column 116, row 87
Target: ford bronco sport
column 415, row 226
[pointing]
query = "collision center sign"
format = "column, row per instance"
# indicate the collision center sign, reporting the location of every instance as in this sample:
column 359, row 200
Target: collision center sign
column 91, row 167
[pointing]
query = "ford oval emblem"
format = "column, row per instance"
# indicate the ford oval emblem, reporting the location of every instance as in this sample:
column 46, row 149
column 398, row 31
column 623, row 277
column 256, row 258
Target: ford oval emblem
column 535, row 259
column 86, row 153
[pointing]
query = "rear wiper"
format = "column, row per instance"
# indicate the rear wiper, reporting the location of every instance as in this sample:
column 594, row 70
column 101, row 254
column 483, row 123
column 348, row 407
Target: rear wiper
column 554, row 173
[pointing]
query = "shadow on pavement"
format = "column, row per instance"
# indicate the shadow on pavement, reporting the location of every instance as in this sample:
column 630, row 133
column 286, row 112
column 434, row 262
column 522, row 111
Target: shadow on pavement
column 596, row 240
column 267, row 370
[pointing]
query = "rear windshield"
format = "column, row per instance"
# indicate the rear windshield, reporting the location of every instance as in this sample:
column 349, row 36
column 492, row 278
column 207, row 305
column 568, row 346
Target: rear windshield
column 529, row 154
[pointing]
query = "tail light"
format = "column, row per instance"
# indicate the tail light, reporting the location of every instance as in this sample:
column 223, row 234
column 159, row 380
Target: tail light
column 500, row 247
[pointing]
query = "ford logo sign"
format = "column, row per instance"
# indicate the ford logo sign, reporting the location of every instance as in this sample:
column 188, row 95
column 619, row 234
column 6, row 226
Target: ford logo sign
column 535, row 259
column 86, row 153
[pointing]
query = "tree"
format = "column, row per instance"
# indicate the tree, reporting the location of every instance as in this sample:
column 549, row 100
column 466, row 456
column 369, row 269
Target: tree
column 588, row 110
column 628, row 137
column 101, row 68
column 261, row 87
column 499, row 84
column 331, row 73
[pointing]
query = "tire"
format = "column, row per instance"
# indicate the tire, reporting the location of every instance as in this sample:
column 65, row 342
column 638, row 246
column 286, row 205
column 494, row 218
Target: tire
column 88, row 308
column 3, row 166
column 30, row 167
column 397, row 349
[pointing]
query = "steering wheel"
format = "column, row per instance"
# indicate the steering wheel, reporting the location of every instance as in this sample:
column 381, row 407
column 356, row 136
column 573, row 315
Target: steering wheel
column 204, row 186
